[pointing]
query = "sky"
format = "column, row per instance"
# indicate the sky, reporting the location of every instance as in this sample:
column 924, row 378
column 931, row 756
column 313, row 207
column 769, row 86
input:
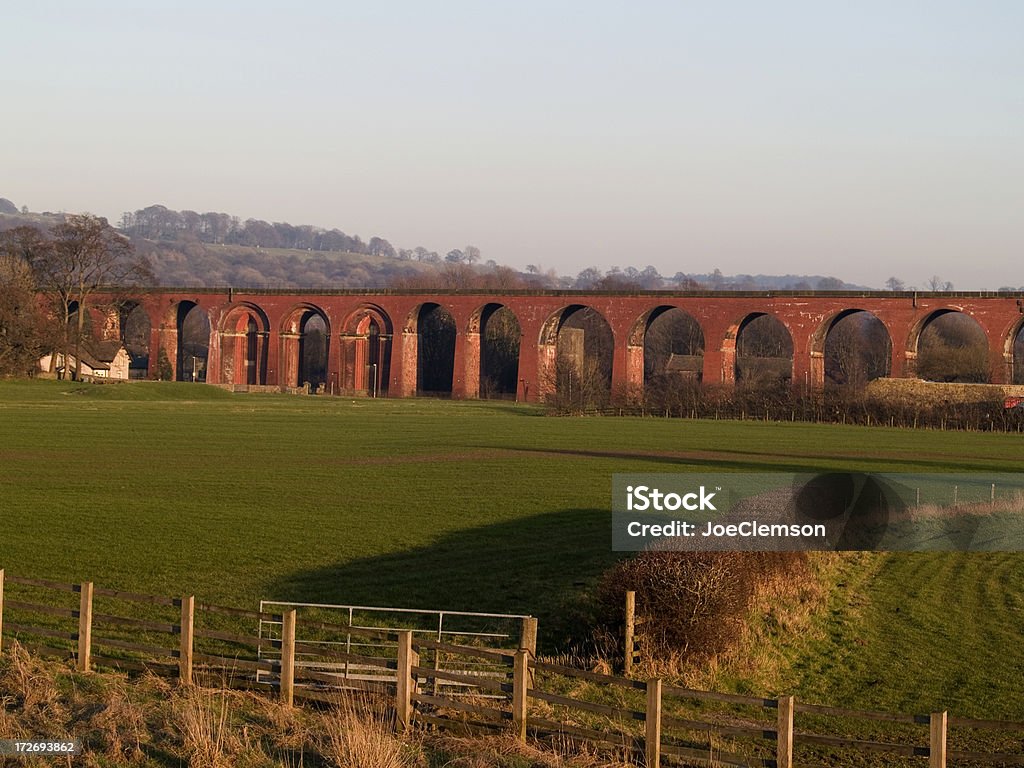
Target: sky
column 863, row 140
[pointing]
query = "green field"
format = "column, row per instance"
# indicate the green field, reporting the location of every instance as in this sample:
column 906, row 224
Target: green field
column 178, row 488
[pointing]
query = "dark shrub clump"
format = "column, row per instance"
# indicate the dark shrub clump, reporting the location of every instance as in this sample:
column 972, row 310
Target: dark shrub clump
column 693, row 604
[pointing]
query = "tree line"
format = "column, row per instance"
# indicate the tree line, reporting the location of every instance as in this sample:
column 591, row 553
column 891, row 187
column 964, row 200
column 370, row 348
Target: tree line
column 160, row 223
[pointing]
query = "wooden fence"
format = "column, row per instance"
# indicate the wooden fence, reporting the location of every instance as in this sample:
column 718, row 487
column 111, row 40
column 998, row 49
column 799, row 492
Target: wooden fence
column 471, row 689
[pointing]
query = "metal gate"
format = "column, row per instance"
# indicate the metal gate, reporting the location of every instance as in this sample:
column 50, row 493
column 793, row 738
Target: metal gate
column 323, row 626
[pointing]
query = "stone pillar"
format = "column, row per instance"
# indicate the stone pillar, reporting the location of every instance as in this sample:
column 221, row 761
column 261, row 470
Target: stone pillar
column 528, row 388
column 274, row 342
column 719, row 352
column 230, row 355
column 904, row 361
column 459, row 378
column 169, row 343
column 1000, row 351
column 332, row 384
column 634, row 371
column 802, row 359
column 406, row 354
column 213, row 367
column 472, row 363
column 154, row 352
column 620, row 339
column 260, row 362
column 817, row 369
column 288, row 363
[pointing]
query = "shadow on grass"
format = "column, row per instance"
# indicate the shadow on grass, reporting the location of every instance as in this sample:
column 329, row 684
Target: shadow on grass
column 795, row 463
column 716, row 461
column 965, row 464
column 544, row 566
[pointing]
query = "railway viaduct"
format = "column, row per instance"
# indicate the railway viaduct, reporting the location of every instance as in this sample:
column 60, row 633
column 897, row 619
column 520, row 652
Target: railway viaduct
column 256, row 336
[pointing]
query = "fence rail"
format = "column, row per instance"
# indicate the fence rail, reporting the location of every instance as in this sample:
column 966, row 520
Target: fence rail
column 472, row 689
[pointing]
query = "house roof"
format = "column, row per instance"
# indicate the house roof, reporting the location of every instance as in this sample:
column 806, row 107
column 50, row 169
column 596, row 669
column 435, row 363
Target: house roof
column 98, row 355
column 103, row 351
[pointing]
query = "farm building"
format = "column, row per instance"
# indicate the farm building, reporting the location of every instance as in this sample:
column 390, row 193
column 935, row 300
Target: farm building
column 100, row 359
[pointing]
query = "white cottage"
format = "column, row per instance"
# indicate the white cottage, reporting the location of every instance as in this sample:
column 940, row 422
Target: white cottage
column 100, row 360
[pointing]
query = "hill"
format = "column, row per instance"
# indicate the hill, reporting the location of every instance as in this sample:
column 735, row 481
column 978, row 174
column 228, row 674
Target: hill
column 193, row 249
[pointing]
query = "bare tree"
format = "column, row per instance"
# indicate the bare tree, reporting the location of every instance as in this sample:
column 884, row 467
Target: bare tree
column 84, row 255
column 857, row 350
column 894, row 284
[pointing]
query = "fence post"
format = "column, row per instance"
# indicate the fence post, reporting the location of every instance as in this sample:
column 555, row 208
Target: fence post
column 520, row 685
column 85, row 627
column 1, row 611
column 288, row 658
column 627, row 659
column 652, row 733
column 405, row 683
column 528, row 642
column 937, row 740
column 784, row 745
column 188, row 614
column 528, row 635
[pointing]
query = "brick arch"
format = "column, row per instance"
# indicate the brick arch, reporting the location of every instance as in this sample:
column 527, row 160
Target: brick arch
column 292, row 341
column 118, row 317
column 820, row 336
column 479, row 316
column 637, row 338
column 547, row 345
column 413, row 351
column 299, row 313
column 236, row 317
column 474, row 348
column 365, row 344
column 913, row 339
column 917, row 329
column 172, row 321
column 244, row 340
column 730, row 343
column 357, row 320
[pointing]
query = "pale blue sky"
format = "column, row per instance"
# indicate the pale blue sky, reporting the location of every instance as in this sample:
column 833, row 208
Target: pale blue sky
column 861, row 139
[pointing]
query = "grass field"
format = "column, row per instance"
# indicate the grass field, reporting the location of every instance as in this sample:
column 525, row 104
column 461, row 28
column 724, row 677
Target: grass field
column 178, row 488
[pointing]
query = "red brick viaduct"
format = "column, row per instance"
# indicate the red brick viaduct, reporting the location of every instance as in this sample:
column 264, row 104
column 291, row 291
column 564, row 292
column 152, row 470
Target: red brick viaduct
column 256, row 335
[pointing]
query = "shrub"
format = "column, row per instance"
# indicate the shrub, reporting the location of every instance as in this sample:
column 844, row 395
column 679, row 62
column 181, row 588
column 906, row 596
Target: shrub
column 693, row 604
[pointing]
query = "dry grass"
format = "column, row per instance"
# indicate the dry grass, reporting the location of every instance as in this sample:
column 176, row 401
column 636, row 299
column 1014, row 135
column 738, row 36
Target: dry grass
column 932, row 392
column 148, row 722
column 1004, row 504
column 204, row 720
column 506, row 752
column 352, row 737
column 119, row 725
